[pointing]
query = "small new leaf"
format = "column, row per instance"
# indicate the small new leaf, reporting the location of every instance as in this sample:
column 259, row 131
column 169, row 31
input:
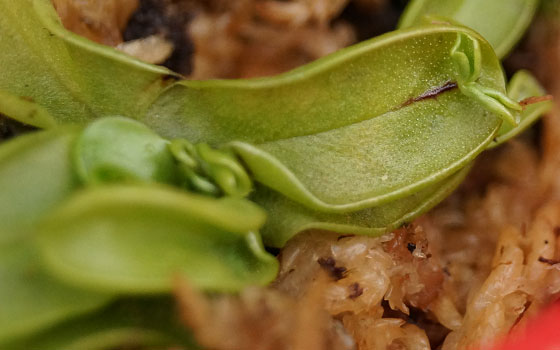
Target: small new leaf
column 523, row 85
column 467, row 58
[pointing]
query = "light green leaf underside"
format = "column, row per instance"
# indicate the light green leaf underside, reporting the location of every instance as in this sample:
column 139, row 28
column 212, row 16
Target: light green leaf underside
column 522, row 85
column 24, row 110
column 501, row 22
column 343, row 133
column 373, row 162
column 72, row 78
column 355, row 84
column 143, row 324
column 35, row 175
column 31, row 299
column 137, row 239
column 289, row 218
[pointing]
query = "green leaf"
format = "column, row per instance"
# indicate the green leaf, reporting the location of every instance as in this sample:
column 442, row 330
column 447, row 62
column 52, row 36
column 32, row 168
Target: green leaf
column 72, row 78
column 501, row 22
column 365, row 126
column 137, row 239
column 521, row 86
column 288, row 218
column 148, row 324
column 24, row 110
column 31, row 299
column 35, row 175
column 466, row 56
column 119, row 149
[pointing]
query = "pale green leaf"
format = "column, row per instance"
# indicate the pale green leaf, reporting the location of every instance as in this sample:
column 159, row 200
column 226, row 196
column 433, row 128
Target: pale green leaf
column 72, row 78
column 501, row 22
column 289, row 218
column 35, row 175
column 137, row 239
column 365, row 126
column 31, row 300
column 119, row 149
column 143, row 324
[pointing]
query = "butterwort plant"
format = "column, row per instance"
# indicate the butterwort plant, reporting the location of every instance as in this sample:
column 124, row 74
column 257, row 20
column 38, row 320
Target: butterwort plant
column 141, row 177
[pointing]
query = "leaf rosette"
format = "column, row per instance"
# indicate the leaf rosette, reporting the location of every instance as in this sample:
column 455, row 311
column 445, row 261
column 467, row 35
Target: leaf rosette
column 361, row 141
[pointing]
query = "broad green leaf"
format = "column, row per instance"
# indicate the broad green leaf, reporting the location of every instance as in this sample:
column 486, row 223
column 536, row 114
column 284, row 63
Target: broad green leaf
column 365, row 126
column 72, row 78
column 35, row 175
column 148, row 324
column 137, row 239
column 24, row 110
column 120, row 149
column 521, row 86
column 289, row 218
column 501, row 22
column 30, row 299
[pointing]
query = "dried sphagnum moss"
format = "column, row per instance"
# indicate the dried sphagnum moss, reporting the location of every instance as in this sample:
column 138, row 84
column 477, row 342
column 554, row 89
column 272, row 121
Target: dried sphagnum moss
column 100, row 21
